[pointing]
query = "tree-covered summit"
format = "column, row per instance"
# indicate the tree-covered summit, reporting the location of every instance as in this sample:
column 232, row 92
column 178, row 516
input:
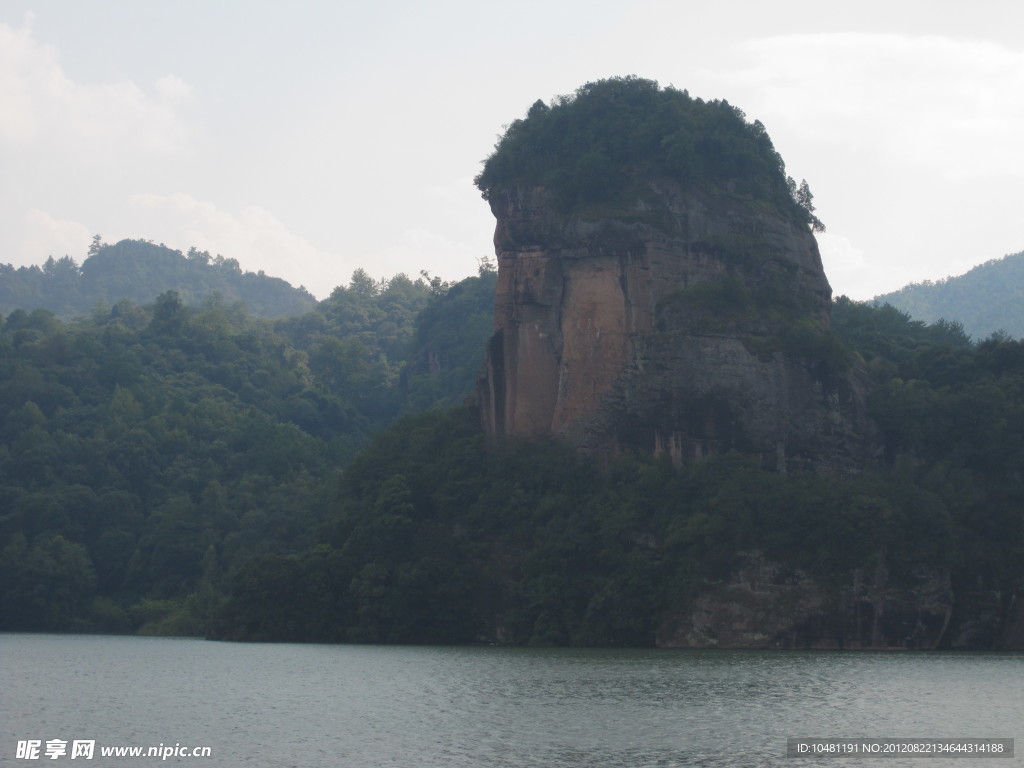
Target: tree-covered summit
column 139, row 271
column 607, row 141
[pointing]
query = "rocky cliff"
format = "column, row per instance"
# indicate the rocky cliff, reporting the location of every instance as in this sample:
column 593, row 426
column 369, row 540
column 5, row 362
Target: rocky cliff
column 688, row 322
column 660, row 291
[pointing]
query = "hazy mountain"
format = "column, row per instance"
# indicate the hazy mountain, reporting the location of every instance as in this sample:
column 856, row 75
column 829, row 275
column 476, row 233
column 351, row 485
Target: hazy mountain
column 141, row 271
column 985, row 300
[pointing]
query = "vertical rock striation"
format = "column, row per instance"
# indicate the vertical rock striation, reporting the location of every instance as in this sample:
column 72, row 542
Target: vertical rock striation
column 687, row 323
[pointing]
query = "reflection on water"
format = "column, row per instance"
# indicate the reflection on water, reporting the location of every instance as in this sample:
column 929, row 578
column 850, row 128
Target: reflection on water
column 369, row 706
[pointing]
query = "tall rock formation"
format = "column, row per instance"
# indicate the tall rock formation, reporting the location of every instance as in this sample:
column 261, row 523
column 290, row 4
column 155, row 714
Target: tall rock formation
column 682, row 316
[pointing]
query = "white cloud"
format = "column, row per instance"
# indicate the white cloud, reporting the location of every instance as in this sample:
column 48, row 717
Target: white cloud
column 46, row 109
column 954, row 106
column 17, row 53
column 44, row 235
column 848, row 271
column 910, row 143
column 424, row 249
column 253, row 236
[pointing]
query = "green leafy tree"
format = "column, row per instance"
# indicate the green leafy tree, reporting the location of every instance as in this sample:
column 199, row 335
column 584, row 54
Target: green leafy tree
column 803, row 197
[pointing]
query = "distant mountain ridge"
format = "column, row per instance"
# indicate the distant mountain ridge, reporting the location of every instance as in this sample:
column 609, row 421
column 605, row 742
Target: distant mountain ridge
column 139, row 271
column 985, row 300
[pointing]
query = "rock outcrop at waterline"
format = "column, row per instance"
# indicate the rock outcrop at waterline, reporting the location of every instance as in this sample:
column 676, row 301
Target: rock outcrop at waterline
column 691, row 322
column 766, row 605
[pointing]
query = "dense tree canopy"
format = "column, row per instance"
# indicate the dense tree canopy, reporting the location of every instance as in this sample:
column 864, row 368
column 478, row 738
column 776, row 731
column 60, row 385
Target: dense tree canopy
column 148, row 452
column 139, row 271
column 198, row 470
column 433, row 537
column 607, row 141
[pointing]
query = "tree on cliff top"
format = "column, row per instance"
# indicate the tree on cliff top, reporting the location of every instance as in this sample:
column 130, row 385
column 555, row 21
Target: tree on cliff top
column 607, row 141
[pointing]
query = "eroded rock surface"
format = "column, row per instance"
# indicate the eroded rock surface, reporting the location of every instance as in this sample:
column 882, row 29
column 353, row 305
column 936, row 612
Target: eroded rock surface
column 688, row 325
column 766, row 605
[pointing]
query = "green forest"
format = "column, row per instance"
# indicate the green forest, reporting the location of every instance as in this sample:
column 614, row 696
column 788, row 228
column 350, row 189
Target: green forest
column 140, row 271
column 148, row 451
column 985, row 300
column 431, row 537
column 190, row 449
column 602, row 145
column 199, row 470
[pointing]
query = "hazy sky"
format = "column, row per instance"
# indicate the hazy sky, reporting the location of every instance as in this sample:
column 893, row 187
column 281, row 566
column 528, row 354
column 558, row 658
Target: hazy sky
column 311, row 138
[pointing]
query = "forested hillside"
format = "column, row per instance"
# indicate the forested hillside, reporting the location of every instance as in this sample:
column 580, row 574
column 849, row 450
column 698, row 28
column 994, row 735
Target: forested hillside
column 434, row 537
column 986, row 300
column 148, row 451
column 139, row 271
column 200, row 470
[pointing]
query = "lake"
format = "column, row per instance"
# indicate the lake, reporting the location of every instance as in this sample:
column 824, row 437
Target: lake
column 473, row 707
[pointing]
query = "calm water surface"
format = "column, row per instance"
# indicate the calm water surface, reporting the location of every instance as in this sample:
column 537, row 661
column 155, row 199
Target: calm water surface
column 406, row 707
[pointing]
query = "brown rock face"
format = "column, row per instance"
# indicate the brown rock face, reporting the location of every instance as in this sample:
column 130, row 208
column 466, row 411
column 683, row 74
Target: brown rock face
column 687, row 325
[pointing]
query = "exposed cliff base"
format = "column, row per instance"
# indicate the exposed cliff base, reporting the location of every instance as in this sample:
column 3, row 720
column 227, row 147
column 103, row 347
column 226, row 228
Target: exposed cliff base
column 765, row 605
column 688, row 325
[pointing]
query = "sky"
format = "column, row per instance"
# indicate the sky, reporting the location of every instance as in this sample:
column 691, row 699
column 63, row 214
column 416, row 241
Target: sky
column 312, row 138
